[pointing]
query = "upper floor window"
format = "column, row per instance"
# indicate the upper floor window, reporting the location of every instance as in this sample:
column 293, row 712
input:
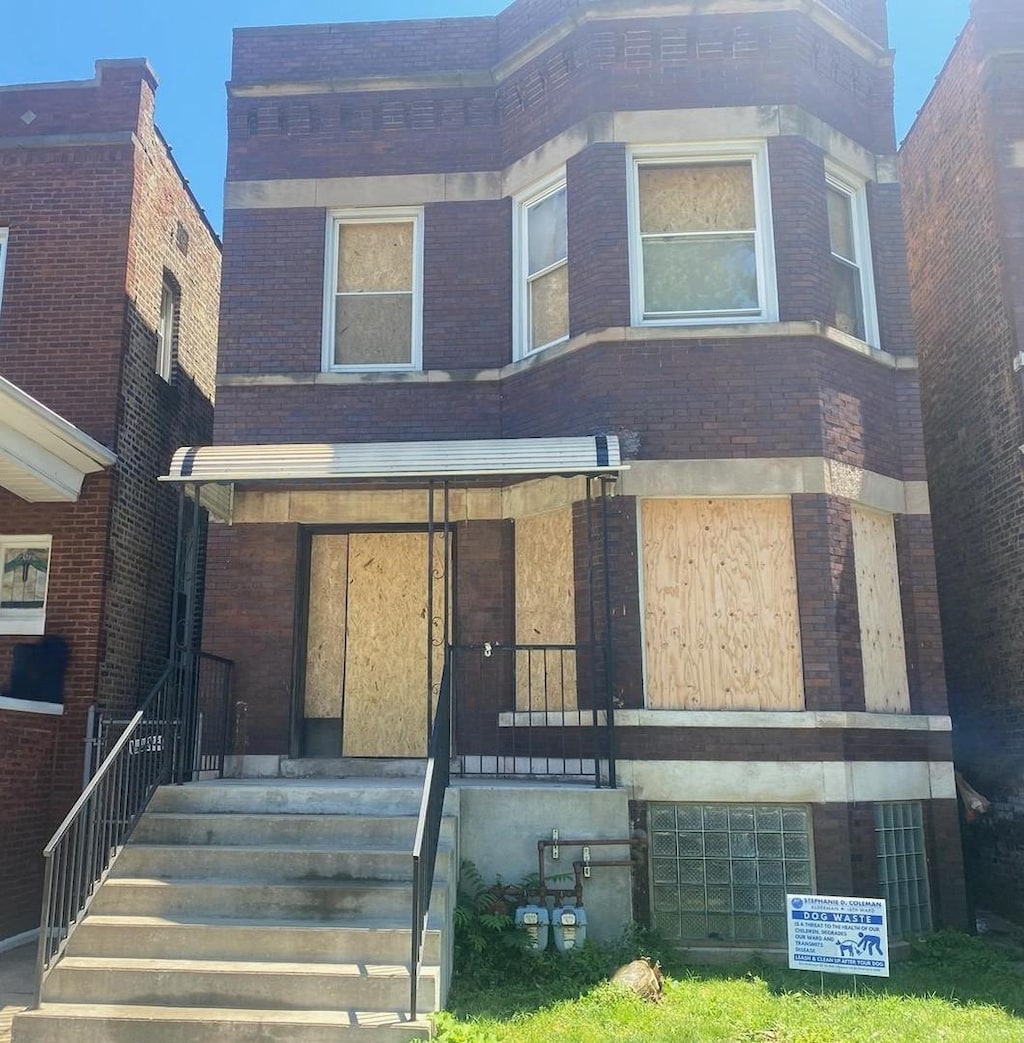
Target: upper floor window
column 701, row 244
column 3, row 262
column 373, row 292
column 542, row 272
column 853, row 290
column 24, row 575
column 167, row 329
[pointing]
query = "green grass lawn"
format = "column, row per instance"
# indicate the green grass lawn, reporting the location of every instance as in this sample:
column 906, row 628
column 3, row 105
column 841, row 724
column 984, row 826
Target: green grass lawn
column 952, row 987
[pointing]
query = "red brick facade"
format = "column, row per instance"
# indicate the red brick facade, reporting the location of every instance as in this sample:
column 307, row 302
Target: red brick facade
column 494, row 106
column 96, row 213
column 963, row 173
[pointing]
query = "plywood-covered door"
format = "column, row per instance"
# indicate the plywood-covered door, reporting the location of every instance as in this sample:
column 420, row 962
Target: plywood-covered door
column 366, row 660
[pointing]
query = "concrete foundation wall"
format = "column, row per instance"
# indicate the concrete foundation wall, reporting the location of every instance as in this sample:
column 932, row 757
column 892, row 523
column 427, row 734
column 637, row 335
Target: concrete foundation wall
column 500, row 825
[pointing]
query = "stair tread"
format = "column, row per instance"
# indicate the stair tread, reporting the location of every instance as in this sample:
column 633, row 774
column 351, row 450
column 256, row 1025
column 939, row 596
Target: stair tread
column 369, row 925
column 372, row 848
column 318, row 883
column 210, row 967
column 128, row 1011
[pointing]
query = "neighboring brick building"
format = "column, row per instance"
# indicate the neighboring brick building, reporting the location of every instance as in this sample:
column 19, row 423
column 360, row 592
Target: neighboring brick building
column 109, row 280
column 678, row 234
column 963, row 167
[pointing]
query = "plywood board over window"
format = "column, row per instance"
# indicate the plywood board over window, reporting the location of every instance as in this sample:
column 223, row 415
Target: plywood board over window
column 721, row 622
column 545, row 611
column 883, row 650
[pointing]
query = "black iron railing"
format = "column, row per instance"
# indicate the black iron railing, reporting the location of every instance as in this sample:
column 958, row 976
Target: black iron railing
column 428, row 827
column 214, row 724
column 533, row 711
column 161, row 743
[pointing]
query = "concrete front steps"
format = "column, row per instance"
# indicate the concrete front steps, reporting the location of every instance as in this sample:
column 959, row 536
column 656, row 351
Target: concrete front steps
column 257, row 911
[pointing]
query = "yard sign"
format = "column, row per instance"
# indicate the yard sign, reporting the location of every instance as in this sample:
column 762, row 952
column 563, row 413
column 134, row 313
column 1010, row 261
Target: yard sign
column 838, row 935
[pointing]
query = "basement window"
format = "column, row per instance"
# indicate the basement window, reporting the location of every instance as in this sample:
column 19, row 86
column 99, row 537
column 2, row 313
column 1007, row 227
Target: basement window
column 25, row 563
column 720, row 872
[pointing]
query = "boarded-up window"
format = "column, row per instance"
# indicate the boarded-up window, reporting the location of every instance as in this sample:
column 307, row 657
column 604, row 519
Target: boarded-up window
column 698, row 239
column 373, row 306
column 883, row 650
column 721, row 621
column 547, row 275
column 545, row 612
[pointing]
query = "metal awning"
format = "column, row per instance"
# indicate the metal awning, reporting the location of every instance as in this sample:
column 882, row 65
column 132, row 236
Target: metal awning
column 324, row 461
column 43, row 457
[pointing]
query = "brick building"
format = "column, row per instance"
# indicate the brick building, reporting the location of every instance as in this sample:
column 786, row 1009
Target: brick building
column 625, row 293
column 109, row 279
column 963, row 168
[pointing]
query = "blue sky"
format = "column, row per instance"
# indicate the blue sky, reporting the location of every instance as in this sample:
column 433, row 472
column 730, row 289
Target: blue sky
column 189, row 45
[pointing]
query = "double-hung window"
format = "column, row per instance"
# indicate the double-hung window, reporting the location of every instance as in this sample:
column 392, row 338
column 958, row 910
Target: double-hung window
column 372, row 299
column 3, row 262
column 24, row 576
column 853, row 292
column 542, row 271
column 701, row 243
column 167, row 329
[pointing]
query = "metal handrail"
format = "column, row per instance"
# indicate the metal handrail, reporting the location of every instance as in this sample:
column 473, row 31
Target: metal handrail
column 79, row 856
column 428, row 826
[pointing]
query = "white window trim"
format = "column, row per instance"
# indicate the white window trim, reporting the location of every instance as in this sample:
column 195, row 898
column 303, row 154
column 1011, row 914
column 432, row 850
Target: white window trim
column 764, row 239
column 4, row 232
column 364, row 215
column 165, row 333
column 27, row 620
column 536, row 193
column 855, row 189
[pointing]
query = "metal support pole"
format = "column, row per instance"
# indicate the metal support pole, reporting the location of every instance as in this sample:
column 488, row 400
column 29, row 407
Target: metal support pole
column 176, row 585
column 430, row 607
column 609, row 654
column 592, row 653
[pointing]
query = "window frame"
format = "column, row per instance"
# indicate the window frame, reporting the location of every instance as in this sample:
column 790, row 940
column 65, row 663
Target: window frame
column 22, row 620
column 521, row 277
column 4, row 237
column 167, row 330
column 855, row 189
column 375, row 215
column 754, row 152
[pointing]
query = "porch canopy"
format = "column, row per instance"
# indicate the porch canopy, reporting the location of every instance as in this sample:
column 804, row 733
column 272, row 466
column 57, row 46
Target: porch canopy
column 224, row 466
column 43, row 457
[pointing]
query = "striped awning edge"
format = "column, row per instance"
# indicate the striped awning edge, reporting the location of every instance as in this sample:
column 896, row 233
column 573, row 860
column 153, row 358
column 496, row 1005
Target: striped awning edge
column 325, row 461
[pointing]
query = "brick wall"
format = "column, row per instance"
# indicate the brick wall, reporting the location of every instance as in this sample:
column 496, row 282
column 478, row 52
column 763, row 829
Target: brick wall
column 93, row 224
column 168, row 237
column 598, row 246
column 41, row 756
column 963, row 204
column 250, row 617
column 601, row 65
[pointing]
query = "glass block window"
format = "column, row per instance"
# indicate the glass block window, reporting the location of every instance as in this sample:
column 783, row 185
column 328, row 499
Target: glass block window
column 720, row 872
column 903, row 867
